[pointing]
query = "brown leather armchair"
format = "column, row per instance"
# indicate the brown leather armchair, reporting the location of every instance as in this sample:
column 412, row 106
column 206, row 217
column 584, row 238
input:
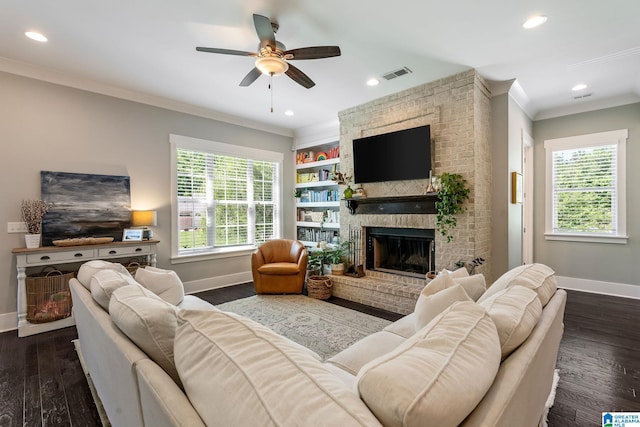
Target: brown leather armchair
column 279, row 267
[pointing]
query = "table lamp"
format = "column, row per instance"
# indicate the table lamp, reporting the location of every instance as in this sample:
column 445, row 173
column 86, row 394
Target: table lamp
column 145, row 219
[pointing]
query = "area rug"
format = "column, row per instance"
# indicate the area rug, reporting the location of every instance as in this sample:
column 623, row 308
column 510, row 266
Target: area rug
column 323, row 327
column 101, row 412
column 550, row 399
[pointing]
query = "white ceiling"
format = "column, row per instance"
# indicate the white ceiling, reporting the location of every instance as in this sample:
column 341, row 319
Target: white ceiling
column 145, row 50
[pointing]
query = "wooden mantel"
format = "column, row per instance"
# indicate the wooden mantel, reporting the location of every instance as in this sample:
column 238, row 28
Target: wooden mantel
column 421, row 204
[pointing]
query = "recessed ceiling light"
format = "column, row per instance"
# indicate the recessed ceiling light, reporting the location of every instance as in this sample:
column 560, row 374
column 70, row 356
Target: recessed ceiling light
column 534, row 21
column 35, row 36
column 578, row 87
column 288, row 113
column 373, row 82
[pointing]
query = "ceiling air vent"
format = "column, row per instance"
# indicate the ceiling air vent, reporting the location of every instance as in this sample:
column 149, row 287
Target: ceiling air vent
column 396, row 73
column 586, row 95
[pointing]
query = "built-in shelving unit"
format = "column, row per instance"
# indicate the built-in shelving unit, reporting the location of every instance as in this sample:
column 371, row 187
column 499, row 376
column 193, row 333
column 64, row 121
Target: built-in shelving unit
column 318, row 207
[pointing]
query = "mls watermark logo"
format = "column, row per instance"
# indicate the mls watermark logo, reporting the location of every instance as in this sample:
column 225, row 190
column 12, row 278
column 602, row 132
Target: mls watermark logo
column 621, row 419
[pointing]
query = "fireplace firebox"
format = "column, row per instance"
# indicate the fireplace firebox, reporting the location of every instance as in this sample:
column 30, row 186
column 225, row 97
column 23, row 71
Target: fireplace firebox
column 403, row 251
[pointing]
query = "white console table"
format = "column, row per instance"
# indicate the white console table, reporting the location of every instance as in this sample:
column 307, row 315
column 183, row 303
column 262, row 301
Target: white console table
column 59, row 255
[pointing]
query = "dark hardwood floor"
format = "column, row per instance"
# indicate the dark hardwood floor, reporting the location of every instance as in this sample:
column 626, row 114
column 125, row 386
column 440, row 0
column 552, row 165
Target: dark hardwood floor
column 42, row 384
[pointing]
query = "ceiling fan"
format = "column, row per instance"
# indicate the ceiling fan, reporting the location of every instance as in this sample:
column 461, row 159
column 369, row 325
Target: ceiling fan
column 272, row 57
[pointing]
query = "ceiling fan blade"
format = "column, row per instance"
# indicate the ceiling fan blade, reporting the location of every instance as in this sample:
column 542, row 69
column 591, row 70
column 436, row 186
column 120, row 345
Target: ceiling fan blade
column 225, row 51
column 316, row 52
column 265, row 31
column 299, row 77
column 251, row 77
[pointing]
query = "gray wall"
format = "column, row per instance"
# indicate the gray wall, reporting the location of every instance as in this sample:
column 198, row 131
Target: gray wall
column 509, row 120
column 596, row 261
column 45, row 126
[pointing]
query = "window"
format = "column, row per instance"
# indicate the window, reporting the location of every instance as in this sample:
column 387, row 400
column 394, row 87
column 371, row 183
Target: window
column 586, row 188
column 225, row 198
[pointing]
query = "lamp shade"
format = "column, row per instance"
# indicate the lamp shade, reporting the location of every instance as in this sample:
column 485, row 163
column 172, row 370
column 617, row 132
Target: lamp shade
column 144, row 218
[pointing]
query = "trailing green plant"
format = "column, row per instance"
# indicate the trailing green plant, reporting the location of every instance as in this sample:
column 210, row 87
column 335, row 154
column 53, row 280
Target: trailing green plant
column 298, row 193
column 450, row 199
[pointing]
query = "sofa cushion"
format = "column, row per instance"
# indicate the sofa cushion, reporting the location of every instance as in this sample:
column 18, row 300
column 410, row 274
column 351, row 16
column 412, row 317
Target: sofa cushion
column 537, row 277
column 148, row 321
column 237, row 372
column 515, row 311
column 404, row 327
column 364, row 351
column 104, row 282
column 280, row 268
column 89, row 268
column 474, row 285
column 437, row 376
column 429, row 306
column 164, row 283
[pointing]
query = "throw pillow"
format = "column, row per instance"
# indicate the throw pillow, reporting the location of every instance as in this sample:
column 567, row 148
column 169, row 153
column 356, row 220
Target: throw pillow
column 474, row 285
column 104, row 282
column 149, row 322
column 442, row 281
column 89, row 268
column 515, row 311
column 428, row 307
column 237, row 372
column 164, row 283
column 458, row 273
column 439, row 375
column 537, row 277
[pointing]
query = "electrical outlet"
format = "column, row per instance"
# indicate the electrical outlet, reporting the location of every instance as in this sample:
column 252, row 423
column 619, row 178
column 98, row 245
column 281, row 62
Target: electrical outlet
column 16, row 227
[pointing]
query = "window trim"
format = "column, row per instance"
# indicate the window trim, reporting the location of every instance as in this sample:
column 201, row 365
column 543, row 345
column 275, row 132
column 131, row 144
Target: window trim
column 618, row 137
column 189, row 143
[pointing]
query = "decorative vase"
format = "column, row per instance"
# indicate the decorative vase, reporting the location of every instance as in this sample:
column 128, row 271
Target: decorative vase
column 348, row 192
column 32, row 240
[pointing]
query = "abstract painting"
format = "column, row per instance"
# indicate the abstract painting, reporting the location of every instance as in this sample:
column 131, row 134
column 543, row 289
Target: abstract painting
column 84, row 205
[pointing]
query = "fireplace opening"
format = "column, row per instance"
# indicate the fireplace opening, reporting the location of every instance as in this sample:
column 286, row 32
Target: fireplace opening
column 404, row 251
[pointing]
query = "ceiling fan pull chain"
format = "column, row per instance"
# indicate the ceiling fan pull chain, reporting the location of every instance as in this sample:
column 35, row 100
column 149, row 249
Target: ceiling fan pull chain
column 271, row 89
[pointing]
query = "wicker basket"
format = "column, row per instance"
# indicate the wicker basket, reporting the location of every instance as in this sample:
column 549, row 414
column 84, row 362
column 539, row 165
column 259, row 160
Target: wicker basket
column 48, row 296
column 133, row 265
column 319, row 287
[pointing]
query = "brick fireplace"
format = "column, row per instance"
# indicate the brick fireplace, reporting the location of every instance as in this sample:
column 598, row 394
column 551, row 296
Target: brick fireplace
column 458, row 110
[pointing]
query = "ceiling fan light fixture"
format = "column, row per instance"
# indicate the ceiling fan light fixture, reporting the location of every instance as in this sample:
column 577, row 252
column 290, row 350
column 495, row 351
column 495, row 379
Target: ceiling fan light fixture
column 272, row 65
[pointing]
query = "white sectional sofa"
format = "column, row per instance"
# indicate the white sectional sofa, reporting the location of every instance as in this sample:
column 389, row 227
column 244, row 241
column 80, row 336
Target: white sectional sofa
column 159, row 358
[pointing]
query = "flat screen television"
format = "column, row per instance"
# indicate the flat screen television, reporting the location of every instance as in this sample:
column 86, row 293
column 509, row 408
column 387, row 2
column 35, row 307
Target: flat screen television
column 394, row 156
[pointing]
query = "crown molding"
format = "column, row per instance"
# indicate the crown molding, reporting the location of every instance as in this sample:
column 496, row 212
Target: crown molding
column 65, row 79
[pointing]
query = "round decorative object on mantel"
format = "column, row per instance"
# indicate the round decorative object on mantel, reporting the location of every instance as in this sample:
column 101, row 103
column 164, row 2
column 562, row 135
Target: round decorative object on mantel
column 32, row 240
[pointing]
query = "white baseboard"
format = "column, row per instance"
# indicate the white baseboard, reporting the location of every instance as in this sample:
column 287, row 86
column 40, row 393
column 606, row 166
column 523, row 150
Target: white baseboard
column 217, row 282
column 8, row 321
column 597, row 287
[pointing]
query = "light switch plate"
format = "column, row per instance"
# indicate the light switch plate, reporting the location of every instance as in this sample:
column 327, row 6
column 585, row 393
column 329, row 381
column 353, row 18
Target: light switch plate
column 16, row 227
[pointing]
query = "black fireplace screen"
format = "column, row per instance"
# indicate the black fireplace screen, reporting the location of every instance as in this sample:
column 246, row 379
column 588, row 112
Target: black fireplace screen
column 405, row 251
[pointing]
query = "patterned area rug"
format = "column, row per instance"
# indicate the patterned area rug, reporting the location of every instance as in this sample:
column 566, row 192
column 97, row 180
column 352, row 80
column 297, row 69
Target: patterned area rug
column 323, row 327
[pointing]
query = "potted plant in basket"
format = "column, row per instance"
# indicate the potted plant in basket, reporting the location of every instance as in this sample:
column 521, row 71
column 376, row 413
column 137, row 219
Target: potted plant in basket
column 32, row 213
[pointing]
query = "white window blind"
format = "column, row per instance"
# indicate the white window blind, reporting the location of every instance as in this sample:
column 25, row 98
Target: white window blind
column 584, row 190
column 586, row 187
column 224, row 201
